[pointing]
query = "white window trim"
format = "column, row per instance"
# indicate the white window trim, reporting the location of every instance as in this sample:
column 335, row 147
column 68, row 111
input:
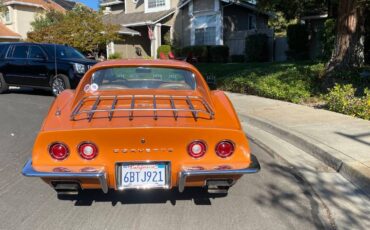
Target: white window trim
column 219, row 28
column 217, row 5
column 10, row 21
column 167, row 6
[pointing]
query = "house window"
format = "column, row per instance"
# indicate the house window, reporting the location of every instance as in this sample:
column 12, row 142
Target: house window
column 205, row 36
column 156, row 5
column 205, row 30
column 6, row 14
column 252, row 22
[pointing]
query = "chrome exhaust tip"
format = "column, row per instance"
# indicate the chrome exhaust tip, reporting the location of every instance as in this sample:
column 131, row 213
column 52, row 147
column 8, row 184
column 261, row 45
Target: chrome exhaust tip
column 66, row 187
column 218, row 186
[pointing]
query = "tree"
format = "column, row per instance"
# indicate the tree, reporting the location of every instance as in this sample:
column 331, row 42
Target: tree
column 81, row 28
column 294, row 9
column 349, row 43
column 348, row 49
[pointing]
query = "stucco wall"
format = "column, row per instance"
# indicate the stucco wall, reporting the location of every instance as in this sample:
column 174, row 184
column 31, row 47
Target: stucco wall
column 23, row 16
column 181, row 27
column 127, row 47
column 140, row 5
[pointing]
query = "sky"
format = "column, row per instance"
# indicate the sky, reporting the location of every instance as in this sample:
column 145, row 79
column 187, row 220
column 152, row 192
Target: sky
column 91, row 3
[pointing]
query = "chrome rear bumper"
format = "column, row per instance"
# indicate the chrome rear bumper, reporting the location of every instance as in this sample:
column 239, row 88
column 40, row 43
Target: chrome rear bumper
column 254, row 167
column 101, row 176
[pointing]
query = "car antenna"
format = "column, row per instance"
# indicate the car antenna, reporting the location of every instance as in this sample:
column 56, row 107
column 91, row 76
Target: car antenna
column 55, row 60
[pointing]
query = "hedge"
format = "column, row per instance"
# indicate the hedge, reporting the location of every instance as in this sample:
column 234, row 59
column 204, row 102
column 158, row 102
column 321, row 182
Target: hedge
column 237, row 58
column 205, row 53
column 256, row 48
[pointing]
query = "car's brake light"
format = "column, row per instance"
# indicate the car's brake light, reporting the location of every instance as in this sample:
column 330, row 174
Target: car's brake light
column 225, row 148
column 87, row 150
column 197, row 149
column 58, row 151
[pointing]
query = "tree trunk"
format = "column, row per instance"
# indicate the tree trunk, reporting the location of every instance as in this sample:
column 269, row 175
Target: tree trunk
column 349, row 45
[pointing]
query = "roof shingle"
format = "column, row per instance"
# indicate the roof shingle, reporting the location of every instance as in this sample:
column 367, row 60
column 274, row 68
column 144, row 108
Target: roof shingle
column 5, row 32
column 132, row 18
column 46, row 4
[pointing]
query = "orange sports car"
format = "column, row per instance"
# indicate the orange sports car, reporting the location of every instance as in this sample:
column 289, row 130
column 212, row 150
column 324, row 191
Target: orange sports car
column 140, row 124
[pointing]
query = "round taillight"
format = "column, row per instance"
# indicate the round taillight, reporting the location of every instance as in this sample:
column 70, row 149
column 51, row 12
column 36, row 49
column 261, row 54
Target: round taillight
column 58, row 151
column 87, row 151
column 225, row 149
column 197, row 149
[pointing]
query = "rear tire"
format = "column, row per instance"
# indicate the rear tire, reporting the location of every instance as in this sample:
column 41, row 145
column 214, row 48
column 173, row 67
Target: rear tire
column 3, row 86
column 60, row 83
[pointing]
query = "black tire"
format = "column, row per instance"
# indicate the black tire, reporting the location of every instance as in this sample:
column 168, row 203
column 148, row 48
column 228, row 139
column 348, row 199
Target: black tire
column 60, row 83
column 3, row 86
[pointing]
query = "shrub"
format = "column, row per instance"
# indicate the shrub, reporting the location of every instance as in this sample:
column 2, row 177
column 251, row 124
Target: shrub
column 328, row 38
column 298, row 42
column 256, row 48
column 165, row 49
column 201, row 52
column 115, row 56
column 342, row 99
column 290, row 82
column 237, row 58
column 206, row 53
column 218, row 53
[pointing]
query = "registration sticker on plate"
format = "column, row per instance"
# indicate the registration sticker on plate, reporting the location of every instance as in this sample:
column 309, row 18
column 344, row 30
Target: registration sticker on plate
column 143, row 176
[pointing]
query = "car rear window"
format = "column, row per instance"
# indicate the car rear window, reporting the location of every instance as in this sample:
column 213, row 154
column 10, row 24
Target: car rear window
column 143, row 78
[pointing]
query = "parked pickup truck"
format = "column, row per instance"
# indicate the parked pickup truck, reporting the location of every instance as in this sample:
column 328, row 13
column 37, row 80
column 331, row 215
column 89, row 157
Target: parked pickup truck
column 49, row 66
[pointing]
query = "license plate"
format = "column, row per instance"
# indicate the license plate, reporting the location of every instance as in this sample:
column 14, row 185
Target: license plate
column 143, row 176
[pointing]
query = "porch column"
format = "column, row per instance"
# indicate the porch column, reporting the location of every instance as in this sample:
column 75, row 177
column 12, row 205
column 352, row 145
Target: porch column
column 110, row 49
column 157, row 40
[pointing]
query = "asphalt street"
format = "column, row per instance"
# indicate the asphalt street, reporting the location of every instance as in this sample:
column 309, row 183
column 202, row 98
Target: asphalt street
column 276, row 198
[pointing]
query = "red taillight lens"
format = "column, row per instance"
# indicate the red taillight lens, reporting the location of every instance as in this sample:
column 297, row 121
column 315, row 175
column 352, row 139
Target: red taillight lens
column 197, row 149
column 58, row 151
column 225, row 149
column 88, row 151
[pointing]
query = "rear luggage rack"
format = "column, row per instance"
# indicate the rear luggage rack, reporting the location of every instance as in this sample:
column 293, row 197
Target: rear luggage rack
column 89, row 106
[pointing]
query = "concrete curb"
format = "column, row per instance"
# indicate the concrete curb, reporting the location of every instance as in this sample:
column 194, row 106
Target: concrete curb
column 329, row 156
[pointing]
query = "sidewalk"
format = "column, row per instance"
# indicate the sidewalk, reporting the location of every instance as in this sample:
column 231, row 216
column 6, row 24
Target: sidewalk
column 340, row 141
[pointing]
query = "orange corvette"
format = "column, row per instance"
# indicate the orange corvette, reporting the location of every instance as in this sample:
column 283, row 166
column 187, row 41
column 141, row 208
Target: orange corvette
column 139, row 124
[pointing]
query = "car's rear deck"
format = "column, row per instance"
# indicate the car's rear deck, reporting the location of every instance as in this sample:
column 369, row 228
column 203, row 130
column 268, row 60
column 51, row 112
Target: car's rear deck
column 131, row 106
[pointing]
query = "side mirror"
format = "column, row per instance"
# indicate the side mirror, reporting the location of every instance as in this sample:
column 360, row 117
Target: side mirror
column 211, row 81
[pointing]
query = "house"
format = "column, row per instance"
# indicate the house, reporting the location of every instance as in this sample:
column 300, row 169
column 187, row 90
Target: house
column 17, row 16
column 147, row 24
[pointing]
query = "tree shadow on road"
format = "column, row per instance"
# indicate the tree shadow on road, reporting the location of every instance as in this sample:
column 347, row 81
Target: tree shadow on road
column 276, row 196
column 88, row 197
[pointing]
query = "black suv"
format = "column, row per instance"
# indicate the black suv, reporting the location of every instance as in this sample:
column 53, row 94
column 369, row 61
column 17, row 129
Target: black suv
column 51, row 66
